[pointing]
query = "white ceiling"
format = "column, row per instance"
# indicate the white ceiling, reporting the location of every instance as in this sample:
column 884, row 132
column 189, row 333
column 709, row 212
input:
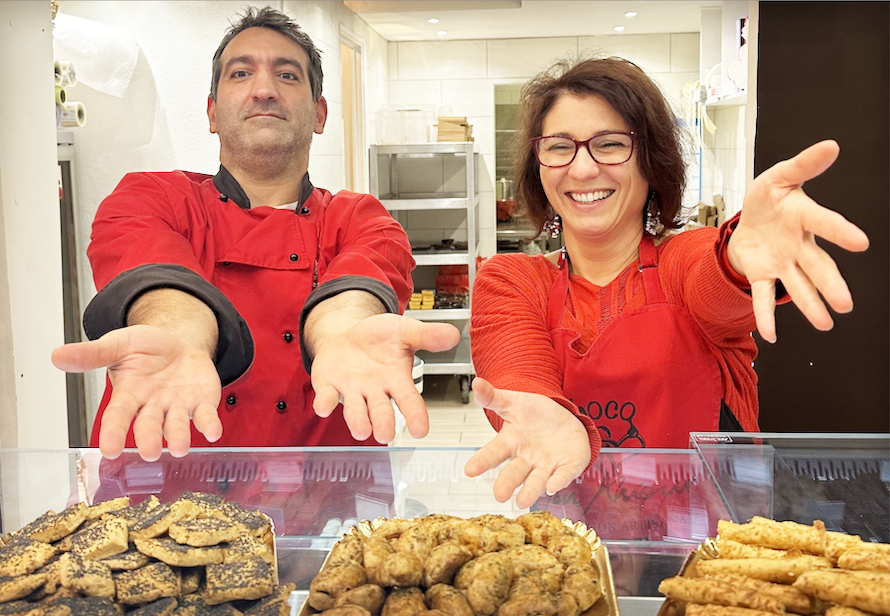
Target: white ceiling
column 479, row 19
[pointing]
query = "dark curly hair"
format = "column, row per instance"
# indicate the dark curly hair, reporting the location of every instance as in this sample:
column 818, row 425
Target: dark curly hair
column 268, row 17
column 636, row 98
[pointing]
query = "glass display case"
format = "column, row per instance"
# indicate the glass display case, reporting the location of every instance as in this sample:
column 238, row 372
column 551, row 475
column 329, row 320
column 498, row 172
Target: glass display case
column 841, row 479
column 650, row 507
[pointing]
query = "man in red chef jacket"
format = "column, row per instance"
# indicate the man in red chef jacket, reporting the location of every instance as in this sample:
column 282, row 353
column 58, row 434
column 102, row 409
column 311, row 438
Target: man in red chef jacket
column 242, row 309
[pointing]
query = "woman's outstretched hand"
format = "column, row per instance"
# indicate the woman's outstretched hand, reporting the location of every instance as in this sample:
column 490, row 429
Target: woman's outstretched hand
column 547, row 447
column 776, row 240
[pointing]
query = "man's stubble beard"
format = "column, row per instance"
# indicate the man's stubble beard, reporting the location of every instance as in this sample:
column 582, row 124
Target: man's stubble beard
column 263, row 153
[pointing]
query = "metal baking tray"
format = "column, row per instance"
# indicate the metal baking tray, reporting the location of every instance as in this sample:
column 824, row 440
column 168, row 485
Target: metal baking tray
column 705, row 551
column 606, row 606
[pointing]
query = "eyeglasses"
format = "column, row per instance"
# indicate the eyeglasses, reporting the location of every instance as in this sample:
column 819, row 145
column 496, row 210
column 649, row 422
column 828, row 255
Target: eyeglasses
column 607, row 149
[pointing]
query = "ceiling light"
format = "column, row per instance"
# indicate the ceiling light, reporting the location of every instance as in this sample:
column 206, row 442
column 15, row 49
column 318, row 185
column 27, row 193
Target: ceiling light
column 441, row 32
column 618, row 28
column 432, row 20
column 630, row 14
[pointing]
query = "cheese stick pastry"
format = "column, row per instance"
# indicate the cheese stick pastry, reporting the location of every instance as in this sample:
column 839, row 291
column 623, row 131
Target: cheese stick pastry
column 844, row 589
column 865, row 559
column 882, row 548
column 780, row 570
column 718, row 592
column 838, row 543
column 875, row 576
column 777, row 535
column 842, row 610
column 728, row 548
column 791, row 598
column 694, row 609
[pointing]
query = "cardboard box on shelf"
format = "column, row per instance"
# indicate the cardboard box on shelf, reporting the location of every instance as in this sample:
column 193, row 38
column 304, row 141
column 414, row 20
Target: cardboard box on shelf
column 450, row 128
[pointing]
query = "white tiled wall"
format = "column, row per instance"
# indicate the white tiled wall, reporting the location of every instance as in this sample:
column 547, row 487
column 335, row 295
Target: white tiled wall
column 424, row 60
column 324, row 22
column 523, row 58
column 651, row 52
column 463, row 74
column 723, row 158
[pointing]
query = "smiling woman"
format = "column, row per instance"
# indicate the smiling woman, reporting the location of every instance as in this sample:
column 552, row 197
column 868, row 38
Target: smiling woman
column 633, row 335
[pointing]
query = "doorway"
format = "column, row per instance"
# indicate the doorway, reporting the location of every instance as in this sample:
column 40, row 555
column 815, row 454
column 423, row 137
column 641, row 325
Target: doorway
column 351, row 65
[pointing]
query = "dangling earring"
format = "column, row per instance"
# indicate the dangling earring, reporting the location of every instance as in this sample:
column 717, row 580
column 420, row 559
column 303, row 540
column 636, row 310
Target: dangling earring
column 553, row 227
column 653, row 217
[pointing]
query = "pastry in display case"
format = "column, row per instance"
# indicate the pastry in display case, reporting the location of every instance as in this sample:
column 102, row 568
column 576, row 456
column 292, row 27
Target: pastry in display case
column 767, row 567
column 199, row 553
column 843, row 480
column 649, row 508
column 488, row 564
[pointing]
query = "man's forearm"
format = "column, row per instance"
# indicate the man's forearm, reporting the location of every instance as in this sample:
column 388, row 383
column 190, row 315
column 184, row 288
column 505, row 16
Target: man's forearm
column 179, row 313
column 337, row 314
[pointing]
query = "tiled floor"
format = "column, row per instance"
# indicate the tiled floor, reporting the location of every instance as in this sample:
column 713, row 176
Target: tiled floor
column 452, row 423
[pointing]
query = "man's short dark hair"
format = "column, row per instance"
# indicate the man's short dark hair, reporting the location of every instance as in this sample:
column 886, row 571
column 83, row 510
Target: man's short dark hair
column 268, row 17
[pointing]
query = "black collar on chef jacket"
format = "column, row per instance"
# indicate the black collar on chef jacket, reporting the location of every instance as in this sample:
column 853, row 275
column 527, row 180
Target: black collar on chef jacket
column 229, row 188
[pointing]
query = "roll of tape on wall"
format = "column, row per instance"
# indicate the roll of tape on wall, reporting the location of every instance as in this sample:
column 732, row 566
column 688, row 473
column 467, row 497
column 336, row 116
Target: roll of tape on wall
column 57, row 69
column 61, row 96
column 69, row 77
column 74, row 114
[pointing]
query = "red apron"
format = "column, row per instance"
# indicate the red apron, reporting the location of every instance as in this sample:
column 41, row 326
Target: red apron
column 649, row 379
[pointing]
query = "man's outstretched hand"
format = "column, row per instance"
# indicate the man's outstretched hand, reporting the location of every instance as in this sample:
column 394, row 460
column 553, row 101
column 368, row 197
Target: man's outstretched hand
column 370, row 363
column 162, row 382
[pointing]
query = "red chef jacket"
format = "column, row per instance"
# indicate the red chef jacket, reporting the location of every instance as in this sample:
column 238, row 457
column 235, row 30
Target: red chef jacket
column 257, row 266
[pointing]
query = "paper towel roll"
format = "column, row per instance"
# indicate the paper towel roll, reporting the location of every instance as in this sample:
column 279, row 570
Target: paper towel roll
column 61, row 96
column 73, row 114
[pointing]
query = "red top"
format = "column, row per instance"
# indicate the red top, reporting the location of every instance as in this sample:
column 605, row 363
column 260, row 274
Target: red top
column 264, row 261
column 513, row 349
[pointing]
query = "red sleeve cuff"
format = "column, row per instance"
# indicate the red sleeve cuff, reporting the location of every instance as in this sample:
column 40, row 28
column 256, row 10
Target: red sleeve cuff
column 726, row 231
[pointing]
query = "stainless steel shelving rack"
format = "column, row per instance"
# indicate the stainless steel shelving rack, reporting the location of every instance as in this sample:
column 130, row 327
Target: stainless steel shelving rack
column 433, row 177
